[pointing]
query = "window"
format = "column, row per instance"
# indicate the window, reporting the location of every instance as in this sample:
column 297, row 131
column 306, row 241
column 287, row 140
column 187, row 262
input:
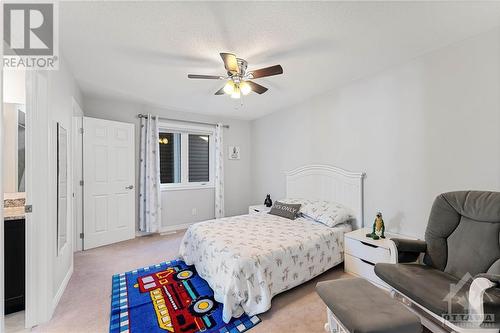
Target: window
column 199, row 158
column 170, row 157
column 186, row 156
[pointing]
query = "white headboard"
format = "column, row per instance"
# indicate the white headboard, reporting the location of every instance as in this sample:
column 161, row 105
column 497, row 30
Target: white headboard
column 324, row 182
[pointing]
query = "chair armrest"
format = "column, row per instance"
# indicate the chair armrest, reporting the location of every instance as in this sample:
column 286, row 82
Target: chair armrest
column 478, row 287
column 409, row 249
column 410, row 245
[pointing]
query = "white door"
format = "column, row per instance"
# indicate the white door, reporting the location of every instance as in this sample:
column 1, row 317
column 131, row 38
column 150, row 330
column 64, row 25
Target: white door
column 108, row 175
column 77, row 182
column 40, row 241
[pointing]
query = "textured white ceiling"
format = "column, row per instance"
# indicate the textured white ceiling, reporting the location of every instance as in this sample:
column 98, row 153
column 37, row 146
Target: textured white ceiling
column 142, row 51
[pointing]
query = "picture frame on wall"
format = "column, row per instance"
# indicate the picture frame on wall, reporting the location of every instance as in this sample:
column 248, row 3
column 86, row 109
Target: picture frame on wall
column 233, row 152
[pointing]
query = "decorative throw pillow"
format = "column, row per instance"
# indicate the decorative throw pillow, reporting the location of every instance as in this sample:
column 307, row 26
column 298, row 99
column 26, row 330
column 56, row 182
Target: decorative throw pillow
column 285, row 210
column 327, row 212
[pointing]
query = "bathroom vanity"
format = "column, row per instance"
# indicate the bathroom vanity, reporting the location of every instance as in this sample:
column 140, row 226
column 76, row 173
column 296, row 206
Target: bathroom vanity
column 14, row 260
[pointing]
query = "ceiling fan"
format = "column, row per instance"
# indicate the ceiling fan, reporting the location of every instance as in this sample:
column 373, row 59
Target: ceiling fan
column 238, row 78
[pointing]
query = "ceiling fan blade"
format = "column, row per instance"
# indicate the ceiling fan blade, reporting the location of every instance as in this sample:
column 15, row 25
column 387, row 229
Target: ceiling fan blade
column 220, row 91
column 268, row 71
column 200, row 76
column 257, row 87
column 230, row 63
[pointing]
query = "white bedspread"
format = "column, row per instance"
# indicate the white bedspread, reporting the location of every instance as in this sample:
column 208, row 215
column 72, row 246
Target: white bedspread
column 248, row 259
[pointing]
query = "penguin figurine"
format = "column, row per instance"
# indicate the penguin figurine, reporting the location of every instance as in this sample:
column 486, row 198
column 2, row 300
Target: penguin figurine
column 378, row 228
column 268, row 202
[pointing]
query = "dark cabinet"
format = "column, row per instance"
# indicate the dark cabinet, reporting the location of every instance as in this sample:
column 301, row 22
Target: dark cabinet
column 14, row 262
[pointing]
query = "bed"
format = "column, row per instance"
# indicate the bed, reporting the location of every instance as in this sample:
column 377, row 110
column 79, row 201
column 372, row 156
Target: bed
column 248, row 259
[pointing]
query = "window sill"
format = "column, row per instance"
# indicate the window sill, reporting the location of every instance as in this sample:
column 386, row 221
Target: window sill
column 168, row 188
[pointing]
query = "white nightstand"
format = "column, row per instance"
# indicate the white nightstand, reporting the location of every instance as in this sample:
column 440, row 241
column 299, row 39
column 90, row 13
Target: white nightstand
column 362, row 253
column 257, row 209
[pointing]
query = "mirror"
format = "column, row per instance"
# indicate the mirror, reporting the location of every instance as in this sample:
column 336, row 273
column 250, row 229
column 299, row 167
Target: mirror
column 21, row 155
column 14, row 121
column 62, row 186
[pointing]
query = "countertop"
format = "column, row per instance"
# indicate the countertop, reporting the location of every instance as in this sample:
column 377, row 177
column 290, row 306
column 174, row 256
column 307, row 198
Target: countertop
column 14, row 206
column 13, row 213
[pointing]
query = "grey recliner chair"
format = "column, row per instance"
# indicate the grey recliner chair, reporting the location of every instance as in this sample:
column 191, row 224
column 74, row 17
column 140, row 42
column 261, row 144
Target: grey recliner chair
column 462, row 249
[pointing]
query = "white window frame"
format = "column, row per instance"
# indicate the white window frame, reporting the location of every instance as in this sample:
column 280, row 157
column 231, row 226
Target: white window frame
column 185, row 129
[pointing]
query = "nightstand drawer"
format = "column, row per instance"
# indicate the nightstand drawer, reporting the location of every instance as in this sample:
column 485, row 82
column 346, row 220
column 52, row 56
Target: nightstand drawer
column 362, row 269
column 256, row 209
column 366, row 251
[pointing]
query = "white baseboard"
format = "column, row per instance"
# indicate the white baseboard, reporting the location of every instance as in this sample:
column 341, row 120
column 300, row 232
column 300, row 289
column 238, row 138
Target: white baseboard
column 61, row 290
column 139, row 233
column 169, row 229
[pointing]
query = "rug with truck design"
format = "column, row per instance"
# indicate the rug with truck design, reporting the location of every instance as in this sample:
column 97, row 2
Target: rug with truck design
column 168, row 297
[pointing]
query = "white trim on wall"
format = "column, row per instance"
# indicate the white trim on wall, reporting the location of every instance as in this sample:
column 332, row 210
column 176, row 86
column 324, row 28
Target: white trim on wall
column 77, row 156
column 62, row 288
column 174, row 228
column 183, row 187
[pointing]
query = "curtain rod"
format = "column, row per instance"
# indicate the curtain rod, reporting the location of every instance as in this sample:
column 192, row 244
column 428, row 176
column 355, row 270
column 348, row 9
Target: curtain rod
column 140, row 115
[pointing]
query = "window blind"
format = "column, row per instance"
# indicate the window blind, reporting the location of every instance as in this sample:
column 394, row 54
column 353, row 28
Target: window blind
column 199, row 158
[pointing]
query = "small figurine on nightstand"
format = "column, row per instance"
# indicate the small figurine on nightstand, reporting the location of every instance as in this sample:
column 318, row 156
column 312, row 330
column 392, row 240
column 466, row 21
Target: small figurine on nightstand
column 378, row 228
column 268, row 202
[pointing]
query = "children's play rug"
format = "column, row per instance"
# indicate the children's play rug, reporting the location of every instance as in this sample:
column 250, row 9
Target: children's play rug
column 168, row 297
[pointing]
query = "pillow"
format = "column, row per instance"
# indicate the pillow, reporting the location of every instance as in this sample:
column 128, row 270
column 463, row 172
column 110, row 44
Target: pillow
column 328, row 212
column 285, row 210
column 294, row 201
column 301, row 201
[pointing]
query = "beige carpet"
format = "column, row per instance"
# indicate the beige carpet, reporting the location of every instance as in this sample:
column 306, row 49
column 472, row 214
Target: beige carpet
column 85, row 305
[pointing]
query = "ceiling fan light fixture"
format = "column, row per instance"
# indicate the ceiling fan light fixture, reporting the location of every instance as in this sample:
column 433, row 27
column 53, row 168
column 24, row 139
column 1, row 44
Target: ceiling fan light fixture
column 245, row 88
column 236, row 93
column 229, row 87
column 239, row 81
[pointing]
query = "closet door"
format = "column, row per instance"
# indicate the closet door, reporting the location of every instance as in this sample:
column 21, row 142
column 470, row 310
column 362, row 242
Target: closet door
column 109, row 178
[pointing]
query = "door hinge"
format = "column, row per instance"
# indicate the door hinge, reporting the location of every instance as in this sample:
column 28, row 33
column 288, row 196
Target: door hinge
column 81, row 182
column 81, row 130
column 28, row 208
column 81, row 235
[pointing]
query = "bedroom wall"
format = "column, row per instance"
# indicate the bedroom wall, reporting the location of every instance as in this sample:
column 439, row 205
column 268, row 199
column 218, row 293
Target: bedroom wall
column 62, row 88
column 177, row 205
column 418, row 129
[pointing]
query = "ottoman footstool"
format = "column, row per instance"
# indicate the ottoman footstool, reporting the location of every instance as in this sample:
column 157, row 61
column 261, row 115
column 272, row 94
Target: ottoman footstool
column 360, row 307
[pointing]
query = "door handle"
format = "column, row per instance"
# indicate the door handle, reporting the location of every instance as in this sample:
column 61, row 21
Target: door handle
column 130, row 187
